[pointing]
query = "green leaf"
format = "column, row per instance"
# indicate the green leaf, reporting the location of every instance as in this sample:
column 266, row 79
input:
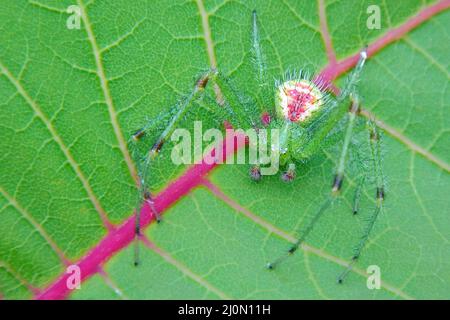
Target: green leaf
column 70, row 98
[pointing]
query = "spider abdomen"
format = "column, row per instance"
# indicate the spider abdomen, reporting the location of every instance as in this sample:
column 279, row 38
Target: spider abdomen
column 297, row 100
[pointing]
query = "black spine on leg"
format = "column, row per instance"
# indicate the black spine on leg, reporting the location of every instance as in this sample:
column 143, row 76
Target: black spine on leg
column 354, row 107
column 148, row 197
column 374, row 135
column 138, row 134
column 292, row 249
column 157, row 146
column 380, row 193
column 337, row 182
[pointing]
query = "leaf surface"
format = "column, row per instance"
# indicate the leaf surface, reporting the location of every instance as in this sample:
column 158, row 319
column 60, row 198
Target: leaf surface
column 70, row 99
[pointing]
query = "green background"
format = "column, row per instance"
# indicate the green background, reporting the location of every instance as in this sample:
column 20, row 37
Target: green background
column 69, row 99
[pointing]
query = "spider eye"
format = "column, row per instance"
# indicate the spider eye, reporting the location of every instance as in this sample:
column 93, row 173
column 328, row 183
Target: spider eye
column 296, row 100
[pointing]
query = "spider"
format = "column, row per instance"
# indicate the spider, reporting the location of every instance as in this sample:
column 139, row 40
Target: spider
column 304, row 111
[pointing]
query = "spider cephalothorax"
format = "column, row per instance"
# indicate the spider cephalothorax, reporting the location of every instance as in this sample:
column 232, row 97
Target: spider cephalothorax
column 299, row 107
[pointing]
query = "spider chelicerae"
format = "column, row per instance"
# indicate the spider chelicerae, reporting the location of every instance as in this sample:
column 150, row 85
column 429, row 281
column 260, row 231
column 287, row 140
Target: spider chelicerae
column 304, row 111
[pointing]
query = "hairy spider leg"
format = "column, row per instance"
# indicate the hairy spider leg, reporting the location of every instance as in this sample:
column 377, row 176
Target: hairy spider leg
column 336, row 187
column 375, row 146
column 318, row 131
column 263, row 90
column 360, row 185
column 264, row 94
column 353, row 78
column 321, row 133
column 154, row 151
column 243, row 111
column 220, row 113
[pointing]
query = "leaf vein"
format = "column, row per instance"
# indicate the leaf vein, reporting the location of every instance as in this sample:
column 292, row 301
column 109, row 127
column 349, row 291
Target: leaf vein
column 106, row 92
column 307, row 248
column 36, row 108
column 36, row 225
column 184, row 269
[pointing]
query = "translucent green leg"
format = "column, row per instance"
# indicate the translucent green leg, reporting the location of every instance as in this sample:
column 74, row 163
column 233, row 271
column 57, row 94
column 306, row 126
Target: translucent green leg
column 244, row 114
column 360, row 185
column 322, row 126
column 375, row 146
column 336, row 187
column 264, row 94
column 352, row 80
column 143, row 165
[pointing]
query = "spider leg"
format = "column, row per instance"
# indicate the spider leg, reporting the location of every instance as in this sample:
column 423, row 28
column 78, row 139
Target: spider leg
column 244, row 114
column 321, row 127
column 335, row 137
column 239, row 111
column 257, row 54
column 258, row 60
column 242, row 109
column 359, row 187
column 143, row 166
column 219, row 112
column 352, row 80
column 375, row 147
column 336, row 187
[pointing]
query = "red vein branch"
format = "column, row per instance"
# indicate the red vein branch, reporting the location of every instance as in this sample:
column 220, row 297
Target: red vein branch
column 334, row 70
column 119, row 238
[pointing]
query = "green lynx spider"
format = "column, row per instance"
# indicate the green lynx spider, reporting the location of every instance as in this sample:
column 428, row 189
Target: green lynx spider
column 304, row 113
